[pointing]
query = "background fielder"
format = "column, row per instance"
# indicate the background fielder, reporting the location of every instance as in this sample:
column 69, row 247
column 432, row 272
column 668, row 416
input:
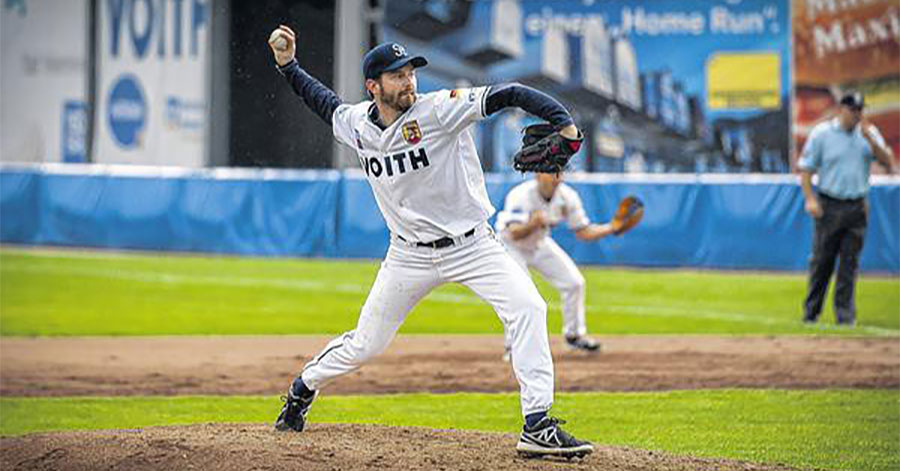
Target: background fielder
column 531, row 209
column 419, row 158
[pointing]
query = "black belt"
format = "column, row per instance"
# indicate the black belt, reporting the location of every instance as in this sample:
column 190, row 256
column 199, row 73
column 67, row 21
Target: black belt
column 828, row 197
column 439, row 243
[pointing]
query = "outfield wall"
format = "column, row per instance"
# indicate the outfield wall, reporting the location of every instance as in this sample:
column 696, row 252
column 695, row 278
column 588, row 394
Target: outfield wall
column 709, row 221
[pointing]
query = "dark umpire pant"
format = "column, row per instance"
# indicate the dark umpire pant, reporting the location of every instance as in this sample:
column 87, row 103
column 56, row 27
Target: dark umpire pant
column 838, row 233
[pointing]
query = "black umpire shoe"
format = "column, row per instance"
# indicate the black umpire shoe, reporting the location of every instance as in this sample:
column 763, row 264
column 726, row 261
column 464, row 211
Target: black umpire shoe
column 583, row 343
column 546, row 438
column 293, row 414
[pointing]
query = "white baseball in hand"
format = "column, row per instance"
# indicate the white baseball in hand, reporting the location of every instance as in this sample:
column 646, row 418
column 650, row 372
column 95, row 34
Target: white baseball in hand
column 278, row 41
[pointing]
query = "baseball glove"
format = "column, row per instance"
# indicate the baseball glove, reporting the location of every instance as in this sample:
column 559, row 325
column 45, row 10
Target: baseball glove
column 628, row 214
column 545, row 150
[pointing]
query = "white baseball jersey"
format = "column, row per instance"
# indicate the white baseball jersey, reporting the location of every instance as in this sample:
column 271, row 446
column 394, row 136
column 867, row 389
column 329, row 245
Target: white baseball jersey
column 428, row 183
column 423, row 169
column 565, row 205
column 540, row 251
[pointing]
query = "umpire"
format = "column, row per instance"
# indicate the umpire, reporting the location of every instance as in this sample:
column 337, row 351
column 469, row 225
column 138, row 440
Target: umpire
column 841, row 151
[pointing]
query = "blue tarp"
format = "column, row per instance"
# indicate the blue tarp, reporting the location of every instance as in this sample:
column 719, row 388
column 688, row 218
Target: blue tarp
column 259, row 217
column 735, row 225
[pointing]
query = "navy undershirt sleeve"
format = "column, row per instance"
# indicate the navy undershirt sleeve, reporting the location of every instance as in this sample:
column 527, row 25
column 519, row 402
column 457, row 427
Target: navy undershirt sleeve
column 319, row 98
column 528, row 99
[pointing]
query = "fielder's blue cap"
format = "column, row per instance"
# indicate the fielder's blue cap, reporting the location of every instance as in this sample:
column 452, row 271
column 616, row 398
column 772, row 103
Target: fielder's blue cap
column 854, row 100
column 387, row 57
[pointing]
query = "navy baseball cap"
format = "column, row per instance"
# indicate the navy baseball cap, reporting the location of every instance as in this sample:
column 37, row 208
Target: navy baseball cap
column 854, row 100
column 387, row 57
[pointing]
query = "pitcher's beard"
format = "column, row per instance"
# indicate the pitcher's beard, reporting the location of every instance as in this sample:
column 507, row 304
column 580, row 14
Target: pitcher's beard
column 400, row 102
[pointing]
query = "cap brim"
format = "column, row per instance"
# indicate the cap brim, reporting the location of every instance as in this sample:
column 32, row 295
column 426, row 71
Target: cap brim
column 417, row 61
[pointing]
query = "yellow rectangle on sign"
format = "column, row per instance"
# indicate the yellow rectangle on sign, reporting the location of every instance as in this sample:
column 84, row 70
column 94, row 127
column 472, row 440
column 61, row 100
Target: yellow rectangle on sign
column 743, row 81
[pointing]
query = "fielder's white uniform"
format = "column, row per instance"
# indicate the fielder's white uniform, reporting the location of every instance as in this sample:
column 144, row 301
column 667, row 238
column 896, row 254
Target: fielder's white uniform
column 540, row 251
column 428, row 183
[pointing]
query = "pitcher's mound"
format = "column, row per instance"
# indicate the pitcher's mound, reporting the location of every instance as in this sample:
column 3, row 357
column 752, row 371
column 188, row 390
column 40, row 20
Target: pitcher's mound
column 324, row 447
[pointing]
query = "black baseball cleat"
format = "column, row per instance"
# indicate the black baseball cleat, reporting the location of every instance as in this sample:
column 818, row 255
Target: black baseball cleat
column 293, row 414
column 583, row 343
column 546, row 438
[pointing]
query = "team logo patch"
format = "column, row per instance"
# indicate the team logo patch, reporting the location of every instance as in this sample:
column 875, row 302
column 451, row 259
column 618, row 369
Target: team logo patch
column 411, row 132
column 454, row 93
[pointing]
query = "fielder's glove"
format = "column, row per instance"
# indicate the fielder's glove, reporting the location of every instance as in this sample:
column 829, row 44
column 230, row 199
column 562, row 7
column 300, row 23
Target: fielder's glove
column 545, row 150
column 628, row 214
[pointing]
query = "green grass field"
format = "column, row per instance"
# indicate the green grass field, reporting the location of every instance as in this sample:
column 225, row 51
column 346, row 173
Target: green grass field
column 63, row 293
column 68, row 293
column 824, row 429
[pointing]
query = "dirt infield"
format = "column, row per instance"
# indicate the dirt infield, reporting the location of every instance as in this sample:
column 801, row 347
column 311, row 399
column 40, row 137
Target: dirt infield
column 322, row 447
column 266, row 365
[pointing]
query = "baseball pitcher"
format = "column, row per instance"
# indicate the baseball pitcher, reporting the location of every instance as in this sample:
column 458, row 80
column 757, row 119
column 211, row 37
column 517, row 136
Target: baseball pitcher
column 419, row 157
column 531, row 209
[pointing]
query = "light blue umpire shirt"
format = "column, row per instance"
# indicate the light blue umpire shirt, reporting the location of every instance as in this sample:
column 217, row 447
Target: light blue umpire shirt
column 841, row 158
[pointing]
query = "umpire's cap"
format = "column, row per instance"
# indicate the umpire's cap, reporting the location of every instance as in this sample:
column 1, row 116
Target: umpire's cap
column 387, row 57
column 854, row 100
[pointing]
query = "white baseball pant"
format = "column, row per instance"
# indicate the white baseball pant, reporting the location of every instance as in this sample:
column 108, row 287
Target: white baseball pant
column 552, row 262
column 408, row 273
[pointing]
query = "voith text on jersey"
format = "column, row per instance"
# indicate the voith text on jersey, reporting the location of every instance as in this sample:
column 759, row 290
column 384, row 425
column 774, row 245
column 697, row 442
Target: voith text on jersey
column 396, row 164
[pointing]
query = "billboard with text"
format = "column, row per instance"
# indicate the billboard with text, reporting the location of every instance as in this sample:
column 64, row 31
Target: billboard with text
column 841, row 46
column 659, row 85
column 152, row 82
column 43, row 81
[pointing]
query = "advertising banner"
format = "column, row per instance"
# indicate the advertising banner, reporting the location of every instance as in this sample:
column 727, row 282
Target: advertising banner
column 843, row 46
column 658, row 85
column 152, row 82
column 43, row 81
